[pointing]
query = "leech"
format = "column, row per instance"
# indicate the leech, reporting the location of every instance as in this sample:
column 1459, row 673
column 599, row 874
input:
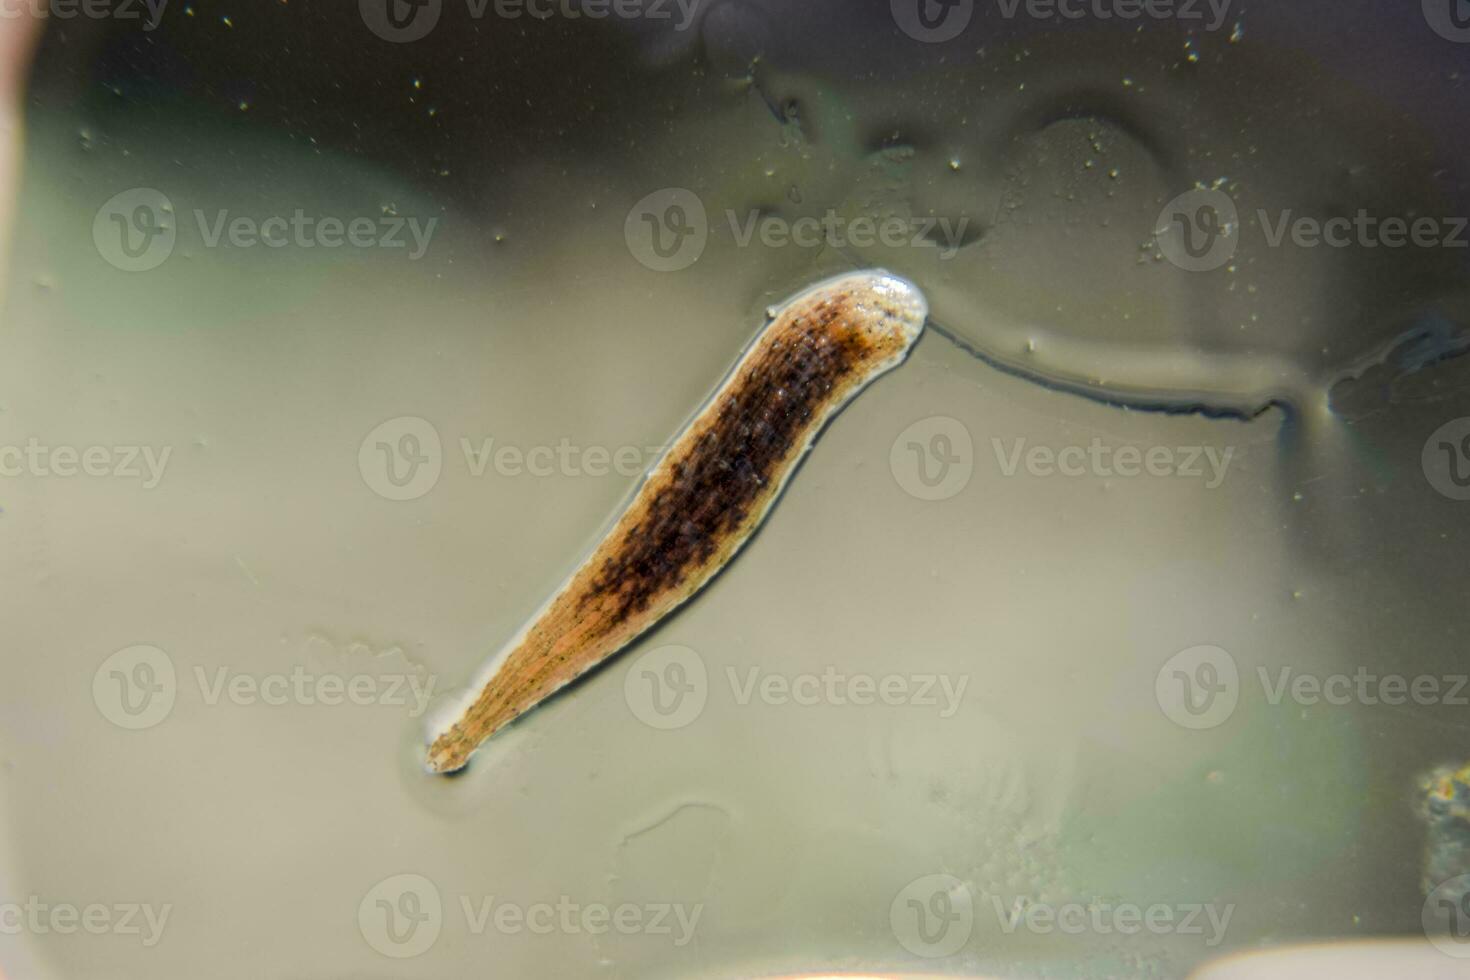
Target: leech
column 703, row 499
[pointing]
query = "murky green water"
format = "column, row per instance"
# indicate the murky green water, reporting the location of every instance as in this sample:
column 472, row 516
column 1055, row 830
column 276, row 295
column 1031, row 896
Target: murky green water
column 1091, row 605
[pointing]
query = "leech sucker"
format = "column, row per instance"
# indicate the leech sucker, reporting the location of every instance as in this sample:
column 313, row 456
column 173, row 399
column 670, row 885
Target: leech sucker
column 702, row 501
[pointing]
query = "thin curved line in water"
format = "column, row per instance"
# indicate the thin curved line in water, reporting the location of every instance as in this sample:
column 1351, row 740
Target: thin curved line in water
column 1133, row 400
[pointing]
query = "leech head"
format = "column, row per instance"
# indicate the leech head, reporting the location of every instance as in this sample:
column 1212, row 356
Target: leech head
column 886, row 314
column 895, row 306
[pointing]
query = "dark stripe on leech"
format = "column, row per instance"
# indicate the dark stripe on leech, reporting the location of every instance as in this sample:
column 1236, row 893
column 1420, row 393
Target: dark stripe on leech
column 714, row 485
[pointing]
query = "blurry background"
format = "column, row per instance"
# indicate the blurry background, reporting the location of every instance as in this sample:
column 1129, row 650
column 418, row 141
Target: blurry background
column 334, row 337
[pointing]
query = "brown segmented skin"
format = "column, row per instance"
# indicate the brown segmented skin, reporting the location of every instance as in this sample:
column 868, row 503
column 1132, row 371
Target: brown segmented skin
column 704, row 498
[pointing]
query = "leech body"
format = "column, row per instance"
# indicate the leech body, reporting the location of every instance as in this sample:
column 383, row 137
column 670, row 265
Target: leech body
column 704, row 498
